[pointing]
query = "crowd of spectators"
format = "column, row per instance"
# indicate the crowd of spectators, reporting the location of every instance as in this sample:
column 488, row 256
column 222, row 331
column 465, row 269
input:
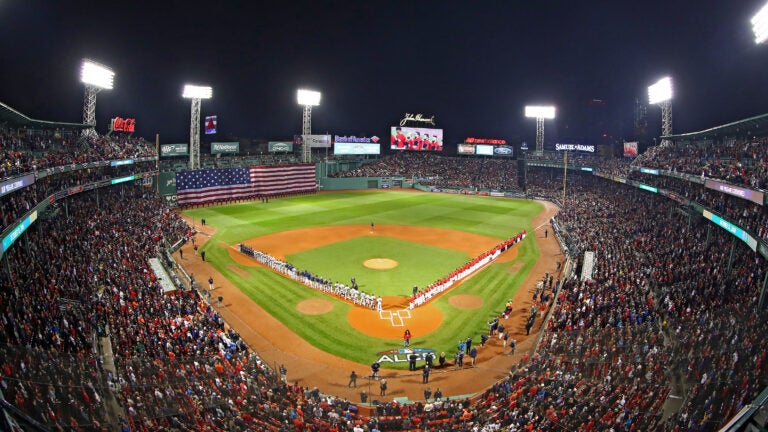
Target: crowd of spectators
column 741, row 161
column 14, row 205
column 443, row 171
column 662, row 307
column 61, row 287
column 668, row 310
column 22, row 151
column 178, row 365
column 746, row 214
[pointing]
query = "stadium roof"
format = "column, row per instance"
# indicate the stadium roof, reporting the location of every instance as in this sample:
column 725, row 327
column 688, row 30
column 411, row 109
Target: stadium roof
column 10, row 116
column 751, row 125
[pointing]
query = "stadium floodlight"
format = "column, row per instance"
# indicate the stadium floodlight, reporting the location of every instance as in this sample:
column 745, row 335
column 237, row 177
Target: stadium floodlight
column 307, row 99
column 540, row 113
column 660, row 92
column 760, row 25
column 196, row 94
column 96, row 78
column 543, row 112
column 98, row 75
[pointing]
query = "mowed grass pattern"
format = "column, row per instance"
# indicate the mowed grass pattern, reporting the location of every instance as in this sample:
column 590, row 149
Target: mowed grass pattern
column 494, row 217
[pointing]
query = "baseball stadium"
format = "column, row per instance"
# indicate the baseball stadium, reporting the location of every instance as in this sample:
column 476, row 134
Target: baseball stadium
column 332, row 282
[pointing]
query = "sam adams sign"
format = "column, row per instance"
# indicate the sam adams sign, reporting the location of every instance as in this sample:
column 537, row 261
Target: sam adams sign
column 575, row 147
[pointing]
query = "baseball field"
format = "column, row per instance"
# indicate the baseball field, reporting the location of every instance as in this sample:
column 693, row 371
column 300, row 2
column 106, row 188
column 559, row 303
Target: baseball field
column 389, row 241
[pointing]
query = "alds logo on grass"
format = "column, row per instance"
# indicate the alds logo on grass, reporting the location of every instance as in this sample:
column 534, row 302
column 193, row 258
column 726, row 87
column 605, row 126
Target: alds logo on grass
column 401, row 355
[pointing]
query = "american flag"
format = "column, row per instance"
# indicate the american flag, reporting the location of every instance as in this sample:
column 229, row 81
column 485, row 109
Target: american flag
column 211, row 185
column 281, row 179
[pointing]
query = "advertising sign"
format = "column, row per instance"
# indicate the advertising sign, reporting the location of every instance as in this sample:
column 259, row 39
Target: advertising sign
column 648, row 188
column 484, row 150
column 491, row 141
column 353, row 139
column 575, row 147
column 279, row 146
column 174, row 150
column 467, row 149
column 630, row 149
column 225, row 147
column 417, row 118
column 171, row 201
column 13, row 184
column 733, row 229
column 166, row 183
column 419, row 139
column 401, row 355
column 342, row 148
column 119, row 124
column 502, row 150
column 747, row 194
column 18, row 230
column 210, row 124
column 318, row 141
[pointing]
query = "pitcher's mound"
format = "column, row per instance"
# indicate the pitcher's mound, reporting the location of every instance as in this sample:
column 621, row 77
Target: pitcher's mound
column 380, row 263
column 314, row 306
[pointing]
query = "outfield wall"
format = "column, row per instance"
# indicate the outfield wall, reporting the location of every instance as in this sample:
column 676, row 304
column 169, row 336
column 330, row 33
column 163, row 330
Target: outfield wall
column 343, row 183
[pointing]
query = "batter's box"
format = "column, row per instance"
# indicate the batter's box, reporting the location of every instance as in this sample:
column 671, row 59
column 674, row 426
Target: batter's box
column 396, row 319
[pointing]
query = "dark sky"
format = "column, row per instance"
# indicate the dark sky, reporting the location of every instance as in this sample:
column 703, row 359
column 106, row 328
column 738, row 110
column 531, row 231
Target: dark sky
column 472, row 64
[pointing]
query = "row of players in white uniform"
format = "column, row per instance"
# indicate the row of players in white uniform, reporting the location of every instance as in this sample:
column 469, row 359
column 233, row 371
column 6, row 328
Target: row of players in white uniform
column 321, row 284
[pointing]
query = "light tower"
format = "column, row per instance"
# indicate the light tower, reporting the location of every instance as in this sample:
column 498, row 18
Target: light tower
column 308, row 99
column 96, row 78
column 540, row 113
column 197, row 94
column 661, row 94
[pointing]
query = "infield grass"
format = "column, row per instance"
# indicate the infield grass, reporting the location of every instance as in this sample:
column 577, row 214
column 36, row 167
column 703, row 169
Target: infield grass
column 418, row 264
column 494, row 217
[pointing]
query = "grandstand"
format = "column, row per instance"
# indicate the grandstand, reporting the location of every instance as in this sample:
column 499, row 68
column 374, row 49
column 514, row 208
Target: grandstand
column 667, row 334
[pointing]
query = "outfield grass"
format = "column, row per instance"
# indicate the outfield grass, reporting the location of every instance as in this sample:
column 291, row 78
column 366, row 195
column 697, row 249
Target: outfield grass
column 494, row 217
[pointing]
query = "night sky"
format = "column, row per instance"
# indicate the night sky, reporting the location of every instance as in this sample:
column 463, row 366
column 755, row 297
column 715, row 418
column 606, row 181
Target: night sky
column 474, row 65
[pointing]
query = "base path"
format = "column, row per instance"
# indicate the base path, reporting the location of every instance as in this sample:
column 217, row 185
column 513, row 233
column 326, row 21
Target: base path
column 311, row 367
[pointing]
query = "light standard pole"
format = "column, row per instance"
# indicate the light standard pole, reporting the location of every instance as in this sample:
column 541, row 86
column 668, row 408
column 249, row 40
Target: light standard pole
column 96, row 77
column 307, row 99
column 660, row 94
column 540, row 113
column 196, row 94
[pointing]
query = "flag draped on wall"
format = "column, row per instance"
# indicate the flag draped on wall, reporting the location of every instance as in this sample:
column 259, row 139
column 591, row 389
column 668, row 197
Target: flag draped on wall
column 212, row 185
column 283, row 179
column 230, row 184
